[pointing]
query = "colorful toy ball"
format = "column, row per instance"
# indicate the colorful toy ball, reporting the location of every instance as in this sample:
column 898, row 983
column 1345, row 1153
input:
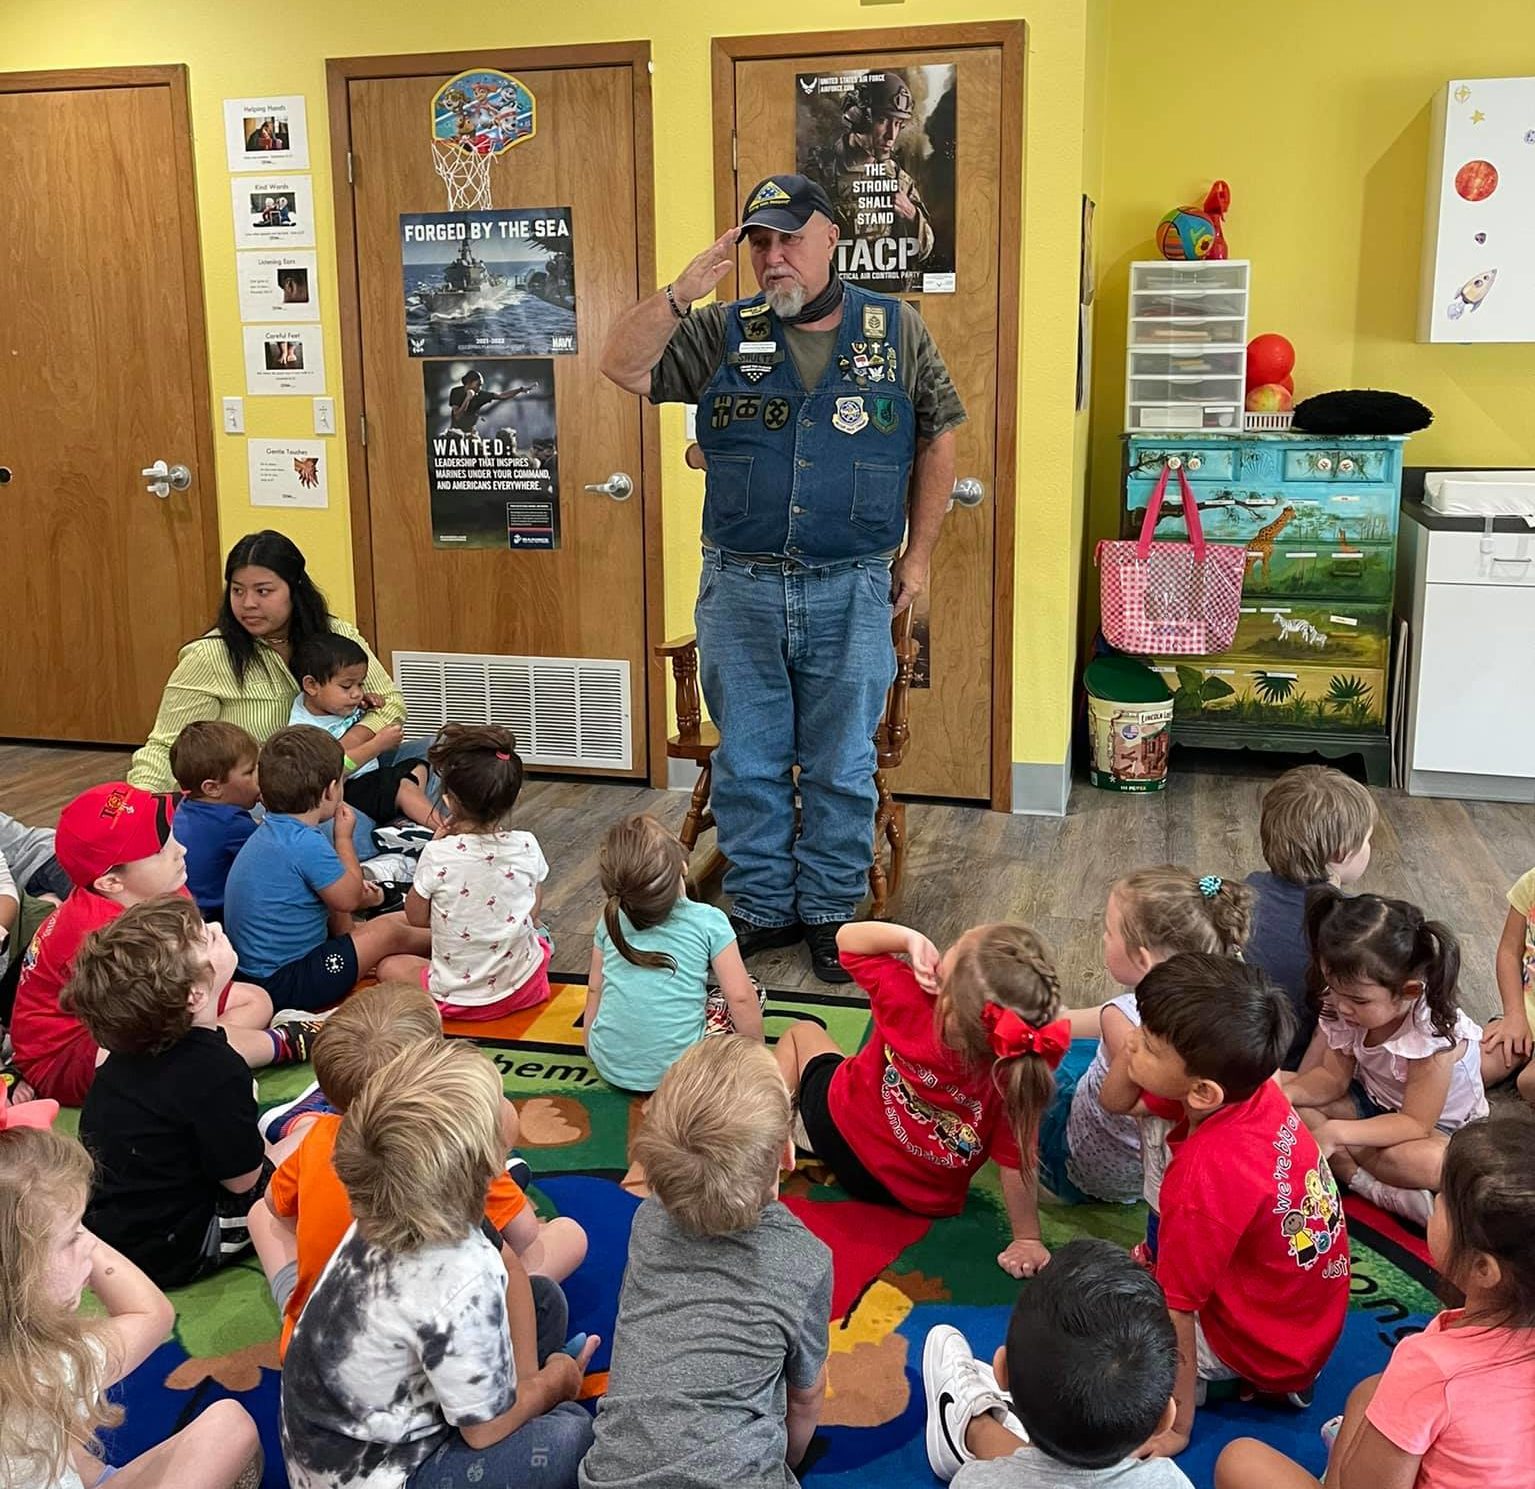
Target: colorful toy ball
column 1195, row 232
column 1270, row 359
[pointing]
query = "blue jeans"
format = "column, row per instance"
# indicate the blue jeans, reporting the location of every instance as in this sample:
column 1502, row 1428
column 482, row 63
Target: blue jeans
column 795, row 663
column 542, row 1454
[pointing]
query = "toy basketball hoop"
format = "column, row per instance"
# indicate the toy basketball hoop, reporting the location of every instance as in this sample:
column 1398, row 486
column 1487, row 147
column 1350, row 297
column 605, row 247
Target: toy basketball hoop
column 477, row 116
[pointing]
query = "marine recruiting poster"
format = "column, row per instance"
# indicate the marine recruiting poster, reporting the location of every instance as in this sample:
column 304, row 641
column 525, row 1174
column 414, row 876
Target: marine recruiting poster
column 881, row 142
column 481, row 284
column 491, row 454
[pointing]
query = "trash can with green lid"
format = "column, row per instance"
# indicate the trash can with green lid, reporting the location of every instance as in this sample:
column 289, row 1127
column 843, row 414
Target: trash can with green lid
column 1129, row 709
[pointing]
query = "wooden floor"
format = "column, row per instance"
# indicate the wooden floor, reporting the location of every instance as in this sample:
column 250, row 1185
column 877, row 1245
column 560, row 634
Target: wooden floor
column 967, row 865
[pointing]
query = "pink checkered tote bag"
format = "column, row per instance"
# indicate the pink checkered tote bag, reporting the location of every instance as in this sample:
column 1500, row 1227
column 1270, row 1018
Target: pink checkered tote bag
column 1171, row 599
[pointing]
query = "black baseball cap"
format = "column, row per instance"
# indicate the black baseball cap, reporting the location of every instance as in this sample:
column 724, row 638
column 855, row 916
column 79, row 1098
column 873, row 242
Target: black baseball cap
column 785, row 204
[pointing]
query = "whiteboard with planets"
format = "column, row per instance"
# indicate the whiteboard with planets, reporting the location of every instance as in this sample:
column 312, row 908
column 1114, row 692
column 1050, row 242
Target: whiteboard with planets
column 1478, row 276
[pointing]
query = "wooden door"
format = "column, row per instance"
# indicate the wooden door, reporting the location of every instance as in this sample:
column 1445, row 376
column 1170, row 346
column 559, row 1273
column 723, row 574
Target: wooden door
column 587, row 597
column 950, row 753
column 102, row 373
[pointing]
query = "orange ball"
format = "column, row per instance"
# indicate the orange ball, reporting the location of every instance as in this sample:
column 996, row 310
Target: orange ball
column 1270, row 359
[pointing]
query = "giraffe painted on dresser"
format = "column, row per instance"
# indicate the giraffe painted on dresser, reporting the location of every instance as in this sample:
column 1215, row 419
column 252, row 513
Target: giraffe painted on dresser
column 1261, row 544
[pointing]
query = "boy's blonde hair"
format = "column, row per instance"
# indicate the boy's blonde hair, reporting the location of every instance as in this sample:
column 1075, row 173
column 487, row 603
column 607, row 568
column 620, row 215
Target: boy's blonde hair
column 133, row 980
column 419, row 1146
column 53, row 1362
column 1314, row 816
column 1165, row 908
column 368, row 1031
column 713, row 1137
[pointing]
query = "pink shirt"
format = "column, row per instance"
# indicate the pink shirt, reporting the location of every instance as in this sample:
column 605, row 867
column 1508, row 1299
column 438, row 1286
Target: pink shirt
column 1463, row 1401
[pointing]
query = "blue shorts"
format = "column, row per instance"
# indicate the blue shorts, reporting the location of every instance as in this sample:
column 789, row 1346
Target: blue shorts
column 319, row 979
column 1053, row 1150
column 1365, row 1107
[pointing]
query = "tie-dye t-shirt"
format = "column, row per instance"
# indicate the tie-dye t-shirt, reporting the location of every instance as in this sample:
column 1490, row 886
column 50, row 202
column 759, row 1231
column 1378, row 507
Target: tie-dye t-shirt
column 393, row 1350
column 1522, row 898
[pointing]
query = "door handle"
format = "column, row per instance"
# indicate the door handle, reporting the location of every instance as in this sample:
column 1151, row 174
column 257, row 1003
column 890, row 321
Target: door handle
column 968, row 492
column 618, row 486
column 163, row 478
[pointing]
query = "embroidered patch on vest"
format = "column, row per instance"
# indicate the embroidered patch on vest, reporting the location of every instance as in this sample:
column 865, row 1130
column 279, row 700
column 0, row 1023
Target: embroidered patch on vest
column 874, row 322
column 758, row 330
column 851, row 416
column 753, row 372
column 775, row 414
column 719, row 411
column 746, row 406
column 883, row 415
column 871, row 362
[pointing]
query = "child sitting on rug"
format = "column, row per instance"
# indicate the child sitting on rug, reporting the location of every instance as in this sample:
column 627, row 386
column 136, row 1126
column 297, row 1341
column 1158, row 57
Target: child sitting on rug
column 1090, row 1362
column 1507, row 1048
column 400, row 1371
column 1085, row 1152
column 648, row 996
column 719, row 1352
column 171, row 1117
column 331, row 669
column 291, row 891
column 1315, row 826
column 1253, row 1254
column 1395, row 1064
column 116, row 844
column 1455, row 1407
column 479, row 883
column 57, row 1365
column 305, row 1213
column 215, row 765
column 957, row 1069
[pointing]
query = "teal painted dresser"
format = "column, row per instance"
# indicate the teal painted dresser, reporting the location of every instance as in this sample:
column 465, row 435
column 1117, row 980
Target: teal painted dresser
column 1309, row 667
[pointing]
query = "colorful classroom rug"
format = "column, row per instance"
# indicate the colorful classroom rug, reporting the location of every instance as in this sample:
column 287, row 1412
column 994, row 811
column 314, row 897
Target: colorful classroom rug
column 896, row 1276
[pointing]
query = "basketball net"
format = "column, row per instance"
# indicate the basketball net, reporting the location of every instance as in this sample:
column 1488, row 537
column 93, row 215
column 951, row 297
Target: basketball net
column 466, row 173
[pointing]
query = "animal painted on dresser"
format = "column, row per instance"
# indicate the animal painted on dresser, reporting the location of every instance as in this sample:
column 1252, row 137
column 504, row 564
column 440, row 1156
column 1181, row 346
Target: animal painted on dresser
column 1261, row 544
column 1294, row 627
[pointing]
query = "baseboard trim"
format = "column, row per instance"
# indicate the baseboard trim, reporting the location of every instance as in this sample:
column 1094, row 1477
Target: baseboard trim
column 681, row 775
column 1041, row 790
column 1461, row 786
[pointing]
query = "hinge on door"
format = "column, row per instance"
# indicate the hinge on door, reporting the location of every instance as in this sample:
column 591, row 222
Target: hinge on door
column 349, row 176
column 735, row 159
column 362, row 424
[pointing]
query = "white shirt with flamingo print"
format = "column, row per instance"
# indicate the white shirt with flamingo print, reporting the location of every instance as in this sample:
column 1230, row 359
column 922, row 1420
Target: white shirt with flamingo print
column 482, row 887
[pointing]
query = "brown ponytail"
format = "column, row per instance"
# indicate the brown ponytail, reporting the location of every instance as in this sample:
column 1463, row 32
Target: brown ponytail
column 641, row 865
column 1009, row 965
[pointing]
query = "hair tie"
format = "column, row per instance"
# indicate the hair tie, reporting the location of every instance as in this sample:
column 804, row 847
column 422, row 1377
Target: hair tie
column 502, row 755
column 37, row 1114
column 1210, row 885
column 1010, row 1035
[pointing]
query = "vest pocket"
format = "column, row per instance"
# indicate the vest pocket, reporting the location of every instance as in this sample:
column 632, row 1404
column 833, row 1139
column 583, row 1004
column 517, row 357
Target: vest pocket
column 729, row 485
column 879, row 494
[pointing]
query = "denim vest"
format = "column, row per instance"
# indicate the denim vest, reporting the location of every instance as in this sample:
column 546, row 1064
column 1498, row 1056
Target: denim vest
column 816, row 475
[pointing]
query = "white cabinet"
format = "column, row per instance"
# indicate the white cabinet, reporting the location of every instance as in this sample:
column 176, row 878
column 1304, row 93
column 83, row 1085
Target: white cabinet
column 1470, row 597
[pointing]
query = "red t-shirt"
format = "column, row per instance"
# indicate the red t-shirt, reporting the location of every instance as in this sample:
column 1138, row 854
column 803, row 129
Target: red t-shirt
column 1252, row 1240
column 53, row 1049
column 914, row 1113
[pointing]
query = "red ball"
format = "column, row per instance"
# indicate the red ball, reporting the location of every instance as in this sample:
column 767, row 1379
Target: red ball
column 1270, row 359
column 1287, row 382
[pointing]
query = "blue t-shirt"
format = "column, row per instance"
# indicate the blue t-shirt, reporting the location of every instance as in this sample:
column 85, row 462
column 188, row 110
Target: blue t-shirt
column 334, row 724
column 649, row 1016
column 212, row 832
column 1278, row 948
column 272, row 906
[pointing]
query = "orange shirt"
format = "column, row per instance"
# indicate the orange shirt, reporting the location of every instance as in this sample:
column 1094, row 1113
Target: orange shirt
column 305, row 1189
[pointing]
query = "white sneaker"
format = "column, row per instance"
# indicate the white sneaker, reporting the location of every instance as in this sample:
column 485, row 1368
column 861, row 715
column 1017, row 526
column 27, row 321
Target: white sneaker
column 958, row 1388
column 396, row 868
column 1415, row 1205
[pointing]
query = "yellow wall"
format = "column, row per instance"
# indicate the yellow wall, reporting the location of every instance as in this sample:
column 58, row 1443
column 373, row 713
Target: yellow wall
column 280, row 48
column 1317, row 114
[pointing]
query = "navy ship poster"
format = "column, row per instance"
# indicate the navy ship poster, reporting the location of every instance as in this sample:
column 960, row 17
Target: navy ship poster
column 492, row 455
column 489, row 284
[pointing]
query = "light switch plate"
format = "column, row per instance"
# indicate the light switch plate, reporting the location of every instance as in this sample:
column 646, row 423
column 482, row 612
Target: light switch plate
column 234, row 416
column 325, row 416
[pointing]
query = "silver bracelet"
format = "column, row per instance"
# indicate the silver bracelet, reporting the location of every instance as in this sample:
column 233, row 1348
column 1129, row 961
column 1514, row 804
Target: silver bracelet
column 680, row 311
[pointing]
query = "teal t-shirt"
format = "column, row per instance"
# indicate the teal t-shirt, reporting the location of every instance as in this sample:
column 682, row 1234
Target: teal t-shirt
column 649, row 1016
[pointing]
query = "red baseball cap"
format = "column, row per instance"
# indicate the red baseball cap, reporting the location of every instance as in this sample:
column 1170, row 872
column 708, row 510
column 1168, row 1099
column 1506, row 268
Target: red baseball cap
column 110, row 825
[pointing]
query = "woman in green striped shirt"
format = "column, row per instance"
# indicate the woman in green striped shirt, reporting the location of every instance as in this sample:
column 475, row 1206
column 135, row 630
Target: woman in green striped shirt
column 238, row 672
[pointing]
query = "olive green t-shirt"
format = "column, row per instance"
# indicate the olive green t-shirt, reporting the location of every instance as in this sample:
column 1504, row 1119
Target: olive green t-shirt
column 697, row 348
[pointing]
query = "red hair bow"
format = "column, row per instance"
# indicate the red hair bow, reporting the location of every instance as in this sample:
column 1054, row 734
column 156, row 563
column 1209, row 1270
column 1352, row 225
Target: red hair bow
column 1011, row 1036
column 39, row 1113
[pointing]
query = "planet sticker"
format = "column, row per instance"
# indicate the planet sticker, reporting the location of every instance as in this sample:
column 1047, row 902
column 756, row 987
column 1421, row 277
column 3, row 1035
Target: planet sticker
column 1476, row 180
column 1481, row 237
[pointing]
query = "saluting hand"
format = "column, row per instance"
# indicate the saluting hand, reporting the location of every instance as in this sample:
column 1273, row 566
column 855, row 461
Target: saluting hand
column 706, row 271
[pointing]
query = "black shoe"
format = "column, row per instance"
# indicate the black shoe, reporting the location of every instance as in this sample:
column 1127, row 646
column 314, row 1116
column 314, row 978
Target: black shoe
column 825, row 961
column 754, row 938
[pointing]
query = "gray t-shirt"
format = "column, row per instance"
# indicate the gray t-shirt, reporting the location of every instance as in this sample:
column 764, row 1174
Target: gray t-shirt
column 697, row 347
column 1028, row 1468
column 711, row 1332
